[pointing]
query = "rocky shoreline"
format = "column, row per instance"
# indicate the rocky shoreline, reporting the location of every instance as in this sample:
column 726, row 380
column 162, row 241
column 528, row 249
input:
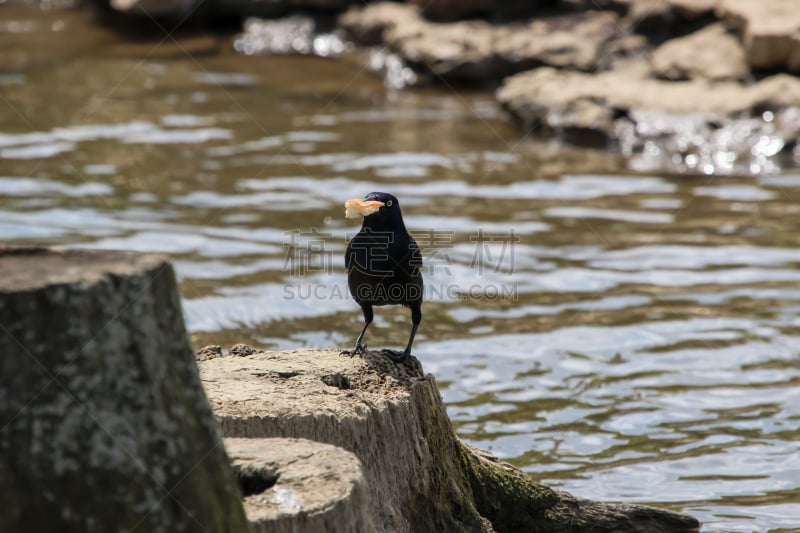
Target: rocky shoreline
column 705, row 86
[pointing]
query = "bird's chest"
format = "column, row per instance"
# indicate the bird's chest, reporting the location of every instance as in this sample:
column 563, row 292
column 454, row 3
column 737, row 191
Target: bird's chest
column 383, row 255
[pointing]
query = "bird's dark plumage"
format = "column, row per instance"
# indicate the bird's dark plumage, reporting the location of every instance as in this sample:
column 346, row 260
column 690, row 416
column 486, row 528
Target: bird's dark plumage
column 384, row 266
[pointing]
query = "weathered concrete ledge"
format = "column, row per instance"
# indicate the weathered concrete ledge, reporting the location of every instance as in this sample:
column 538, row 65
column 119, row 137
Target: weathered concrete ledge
column 103, row 422
column 419, row 476
column 292, row 485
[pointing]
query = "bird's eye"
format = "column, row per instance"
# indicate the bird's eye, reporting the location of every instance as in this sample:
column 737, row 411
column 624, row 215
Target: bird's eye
column 389, row 203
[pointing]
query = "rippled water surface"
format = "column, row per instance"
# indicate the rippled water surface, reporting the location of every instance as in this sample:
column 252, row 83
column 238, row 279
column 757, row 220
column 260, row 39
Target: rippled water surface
column 625, row 337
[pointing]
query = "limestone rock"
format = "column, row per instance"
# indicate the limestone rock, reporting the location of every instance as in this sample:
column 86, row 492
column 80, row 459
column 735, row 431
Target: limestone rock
column 711, row 53
column 457, row 50
column 367, row 24
column 420, row 476
column 294, row 485
column 657, row 19
column 770, row 28
column 208, row 352
column 584, row 121
column 105, row 426
column 778, row 90
column 478, row 50
column 241, row 350
column 691, row 120
column 535, row 94
column 575, row 41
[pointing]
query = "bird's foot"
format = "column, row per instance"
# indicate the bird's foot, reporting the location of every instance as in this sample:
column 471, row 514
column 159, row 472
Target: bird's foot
column 396, row 356
column 358, row 349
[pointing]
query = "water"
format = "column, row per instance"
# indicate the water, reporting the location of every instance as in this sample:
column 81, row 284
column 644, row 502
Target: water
column 625, row 337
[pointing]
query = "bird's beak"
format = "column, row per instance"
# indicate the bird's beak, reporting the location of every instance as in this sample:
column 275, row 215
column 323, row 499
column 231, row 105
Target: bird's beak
column 357, row 207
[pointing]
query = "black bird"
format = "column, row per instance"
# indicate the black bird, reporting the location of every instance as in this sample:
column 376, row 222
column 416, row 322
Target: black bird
column 383, row 265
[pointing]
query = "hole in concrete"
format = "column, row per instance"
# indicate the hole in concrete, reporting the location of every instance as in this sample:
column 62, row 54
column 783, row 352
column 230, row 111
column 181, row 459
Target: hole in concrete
column 255, row 480
column 336, row 380
column 278, row 375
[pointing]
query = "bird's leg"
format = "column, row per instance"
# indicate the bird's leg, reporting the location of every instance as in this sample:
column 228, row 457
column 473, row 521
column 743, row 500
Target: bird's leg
column 359, row 348
column 402, row 357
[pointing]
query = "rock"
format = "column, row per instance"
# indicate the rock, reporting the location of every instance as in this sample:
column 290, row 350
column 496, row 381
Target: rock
column 366, row 25
column 105, row 426
column 480, row 51
column 420, row 476
column 300, row 485
column 625, row 48
column 242, row 350
column 694, row 120
column 208, row 352
column 585, row 122
column 457, row 50
column 658, row 19
column 575, row 41
column 535, row 94
column 770, row 29
column 712, row 53
column 775, row 92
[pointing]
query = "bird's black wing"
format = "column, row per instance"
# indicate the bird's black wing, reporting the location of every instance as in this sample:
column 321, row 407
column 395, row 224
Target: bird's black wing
column 410, row 274
column 348, row 256
column 414, row 260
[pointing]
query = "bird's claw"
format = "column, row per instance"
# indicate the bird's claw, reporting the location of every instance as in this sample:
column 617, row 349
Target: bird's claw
column 396, row 356
column 357, row 350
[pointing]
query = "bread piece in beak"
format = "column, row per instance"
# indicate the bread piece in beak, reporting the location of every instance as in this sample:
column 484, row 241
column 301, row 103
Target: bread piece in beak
column 357, row 207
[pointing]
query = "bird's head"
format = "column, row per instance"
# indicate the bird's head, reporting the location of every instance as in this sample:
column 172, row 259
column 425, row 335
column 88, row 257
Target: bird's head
column 375, row 207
